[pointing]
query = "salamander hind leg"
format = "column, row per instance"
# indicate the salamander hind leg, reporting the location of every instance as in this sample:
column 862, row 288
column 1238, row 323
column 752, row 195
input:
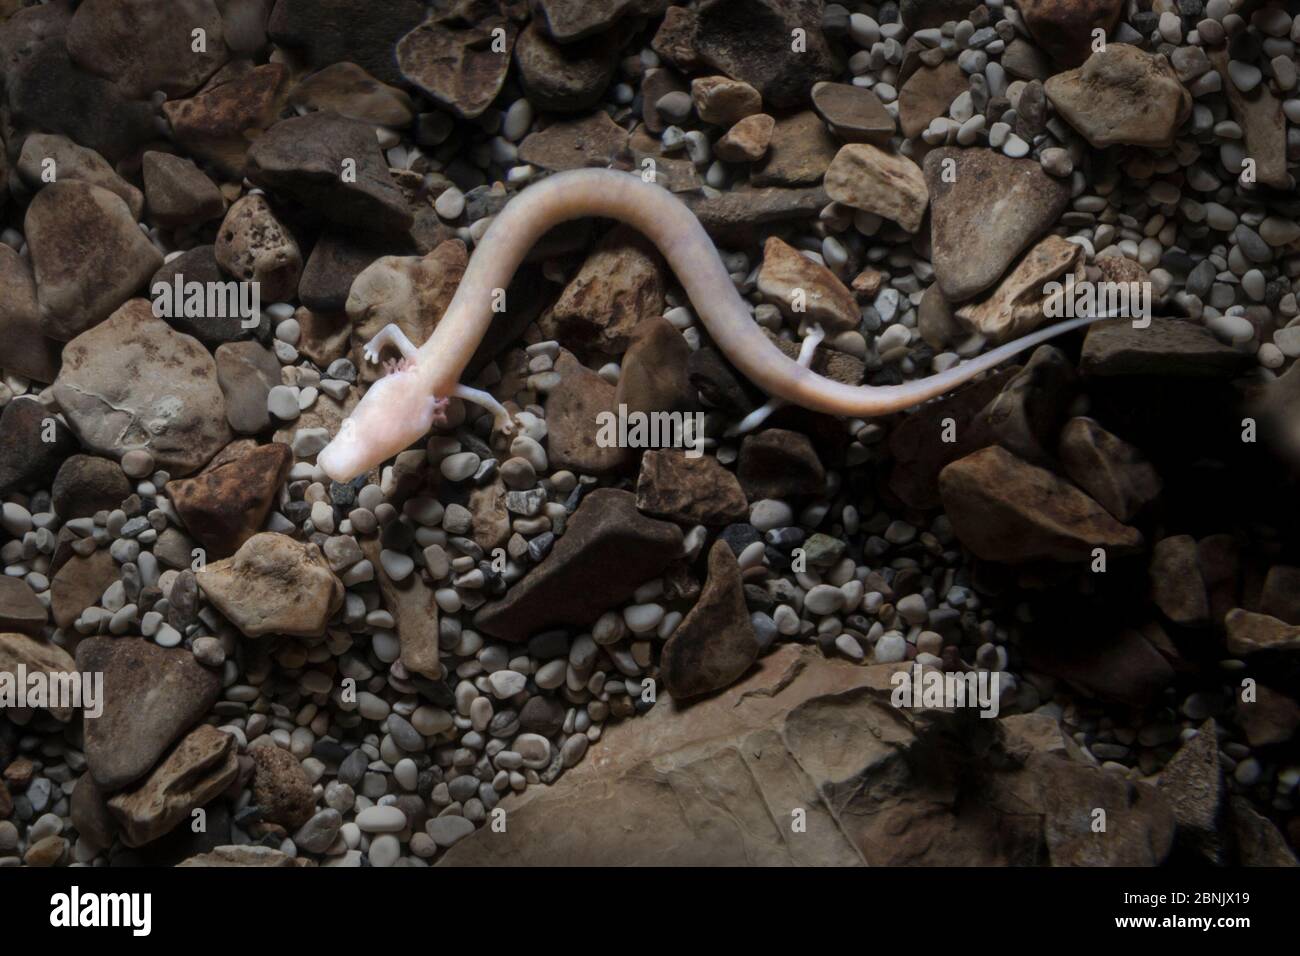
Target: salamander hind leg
column 502, row 420
column 807, row 349
column 390, row 334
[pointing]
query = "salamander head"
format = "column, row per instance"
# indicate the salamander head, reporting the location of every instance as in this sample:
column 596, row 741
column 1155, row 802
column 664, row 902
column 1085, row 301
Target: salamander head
column 394, row 414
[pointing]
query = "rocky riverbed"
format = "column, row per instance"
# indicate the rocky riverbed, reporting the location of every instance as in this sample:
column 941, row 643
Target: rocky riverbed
column 547, row 649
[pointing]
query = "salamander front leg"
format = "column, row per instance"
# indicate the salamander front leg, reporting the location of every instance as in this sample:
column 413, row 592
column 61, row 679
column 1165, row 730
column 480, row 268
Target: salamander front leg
column 807, row 349
column 390, row 334
column 502, row 421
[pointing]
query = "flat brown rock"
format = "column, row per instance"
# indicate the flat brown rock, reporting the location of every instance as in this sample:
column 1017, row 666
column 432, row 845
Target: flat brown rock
column 714, row 644
column 805, row 290
column 273, row 585
column 226, row 505
column 1005, row 509
column 412, row 604
column 1122, row 96
column 985, row 214
column 20, row 650
column 134, row 382
column 1167, row 348
column 607, row 551
column 594, row 140
column 573, row 420
column 152, row 695
column 698, row 490
column 198, row 769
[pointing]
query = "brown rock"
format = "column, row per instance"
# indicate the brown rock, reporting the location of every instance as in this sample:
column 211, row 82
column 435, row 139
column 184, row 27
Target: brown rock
column 993, row 208
column 244, row 856
column 1259, row 842
column 412, row 604
column 593, row 141
column 73, row 163
column 572, row 422
column 47, row 851
column 1250, row 632
column 566, row 79
column 688, row 490
column 19, row 650
column 619, row 285
column 179, row 193
column 20, row 610
column 325, row 335
column 855, row 114
column 455, row 63
column 1167, row 348
column 27, row 458
column 698, row 784
column 1263, row 125
column 88, row 256
column 1122, row 95
column 273, row 585
column 144, row 45
column 220, row 123
column 152, row 695
column 198, row 769
column 28, row 351
column 571, row 20
column 133, row 382
column 1108, row 468
column 1015, row 308
column 917, row 447
column 714, row 644
column 1281, row 595
column 490, row 519
column 1118, row 665
column 723, row 101
column 321, row 32
column 79, row 584
column 1064, row 28
column 935, row 320
column 927, row 94
column 735, row 212
column 280, row 787
column 89, row 812
column 253, row 246
column 750, row 40
column 799, row 153
column 228, row 504
column 1176, row 585
column 350, row 91
column 747, row 141
column 608, row 550
column 654, row 376
column 87, row 484
column 304, row 157
column 805, row 290
column 868, row 178
column 1005, row 509
column 776, row 463
column 1026, row 415
column 1271, row 718
column 246, row 373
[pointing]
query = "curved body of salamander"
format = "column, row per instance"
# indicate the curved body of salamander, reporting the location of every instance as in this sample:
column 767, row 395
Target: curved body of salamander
column 435, row 368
